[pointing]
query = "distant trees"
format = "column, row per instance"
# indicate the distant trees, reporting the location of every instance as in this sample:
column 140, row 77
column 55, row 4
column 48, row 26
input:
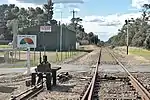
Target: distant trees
column 38, row 16
column 139, row 31
column 26, row 18
column 82, row 36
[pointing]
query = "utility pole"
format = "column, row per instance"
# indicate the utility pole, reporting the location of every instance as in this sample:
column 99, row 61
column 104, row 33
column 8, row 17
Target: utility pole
column 61, row 33
column 15, row 32
column 73, row 15
column 49, row 18
column 50, row 11
column 73, row 20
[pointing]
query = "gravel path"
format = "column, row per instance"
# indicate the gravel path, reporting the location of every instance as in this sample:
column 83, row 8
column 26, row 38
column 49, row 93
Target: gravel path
column 10, row 83
column 80, row 71
column 89, row 59
column 117, row 88
column 70, row 90
column 144, row 78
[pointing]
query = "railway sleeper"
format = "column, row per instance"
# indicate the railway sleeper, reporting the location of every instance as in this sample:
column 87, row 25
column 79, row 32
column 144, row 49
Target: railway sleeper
column 95, row 96
column 115, row 98
column 109, row 62
column 105, row 78
column 96, row 89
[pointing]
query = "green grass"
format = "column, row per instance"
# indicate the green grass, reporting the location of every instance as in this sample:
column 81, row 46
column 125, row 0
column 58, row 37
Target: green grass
column 62, row 56
column 2, row 53
column 52, row 57
column 140, row 52
column 17, row 66
column 22, row 64
column 5, row 46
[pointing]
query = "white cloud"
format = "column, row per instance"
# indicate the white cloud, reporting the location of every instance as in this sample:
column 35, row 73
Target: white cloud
column 71, row 4
column 69, row 7
column 65, row 20
column 139, row 3
column 59, row 4
column 68, row 1
column 23, row 4
column 106, row 26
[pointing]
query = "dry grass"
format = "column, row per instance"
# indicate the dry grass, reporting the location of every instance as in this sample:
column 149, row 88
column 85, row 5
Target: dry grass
column 5, row 46
column 139, row 55
column 53, row 57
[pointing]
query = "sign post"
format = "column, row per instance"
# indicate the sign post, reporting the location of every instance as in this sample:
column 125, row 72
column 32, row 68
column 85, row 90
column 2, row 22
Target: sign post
column 28, row 60
column 11, row 54
column 27, row 41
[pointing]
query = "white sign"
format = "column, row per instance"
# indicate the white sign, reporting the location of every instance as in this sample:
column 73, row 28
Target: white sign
column 24, row 41
column 45, row 28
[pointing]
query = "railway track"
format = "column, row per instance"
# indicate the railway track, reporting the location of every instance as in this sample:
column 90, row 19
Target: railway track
column 136, row 88
column 29, row 94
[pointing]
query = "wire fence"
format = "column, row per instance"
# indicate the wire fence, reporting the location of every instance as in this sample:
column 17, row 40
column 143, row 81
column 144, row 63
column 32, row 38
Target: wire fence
column 18, row 58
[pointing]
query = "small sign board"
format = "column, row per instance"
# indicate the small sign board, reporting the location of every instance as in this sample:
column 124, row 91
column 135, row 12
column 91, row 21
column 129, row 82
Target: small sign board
column 24, row 41
column 45, row 29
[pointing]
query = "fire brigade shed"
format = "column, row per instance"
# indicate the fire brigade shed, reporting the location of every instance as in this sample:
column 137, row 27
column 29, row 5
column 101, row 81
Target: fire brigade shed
column 51, row 40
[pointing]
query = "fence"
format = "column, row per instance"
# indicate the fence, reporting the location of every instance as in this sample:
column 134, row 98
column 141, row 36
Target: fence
column 18, row 58
column 60, row 56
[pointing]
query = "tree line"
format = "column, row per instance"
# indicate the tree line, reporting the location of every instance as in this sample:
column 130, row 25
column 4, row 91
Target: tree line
column 37, row 16
column 138, row 30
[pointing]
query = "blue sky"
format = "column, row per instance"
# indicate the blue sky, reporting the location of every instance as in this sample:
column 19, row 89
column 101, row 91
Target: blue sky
column 105, row 7
column 103, row 17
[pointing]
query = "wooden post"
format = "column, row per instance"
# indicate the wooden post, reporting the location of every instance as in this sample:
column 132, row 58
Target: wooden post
column 28, row 60
column 19, row 54
column 68, row 52
column 72, row 51
column 34, row 57
column 65, row 55
column 57, row 56
column 15, row 55
column 54, row 77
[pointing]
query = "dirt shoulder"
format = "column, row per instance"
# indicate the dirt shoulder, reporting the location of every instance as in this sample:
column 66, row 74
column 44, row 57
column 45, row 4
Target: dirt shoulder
column 130, row 59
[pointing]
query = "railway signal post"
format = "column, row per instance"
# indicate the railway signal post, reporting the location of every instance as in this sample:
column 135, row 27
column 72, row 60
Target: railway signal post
column 127, row 22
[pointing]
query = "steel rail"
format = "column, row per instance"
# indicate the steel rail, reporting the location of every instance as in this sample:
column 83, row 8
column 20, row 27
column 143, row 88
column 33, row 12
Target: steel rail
column 89, row 92
column 137, row 85
column 30, row 93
